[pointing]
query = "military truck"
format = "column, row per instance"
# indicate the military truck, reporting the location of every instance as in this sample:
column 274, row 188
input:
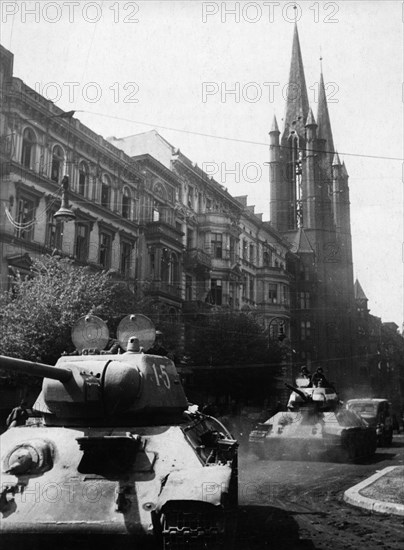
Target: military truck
column 377, row 413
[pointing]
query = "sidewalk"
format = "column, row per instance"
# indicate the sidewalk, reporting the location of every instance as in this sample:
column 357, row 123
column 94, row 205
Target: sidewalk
column 382, row 492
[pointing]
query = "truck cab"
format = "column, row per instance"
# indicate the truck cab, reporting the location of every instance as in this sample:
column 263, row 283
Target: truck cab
column 377, row 413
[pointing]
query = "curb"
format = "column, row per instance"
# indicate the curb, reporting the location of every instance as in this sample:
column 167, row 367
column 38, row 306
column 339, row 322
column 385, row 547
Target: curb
column 352, row 496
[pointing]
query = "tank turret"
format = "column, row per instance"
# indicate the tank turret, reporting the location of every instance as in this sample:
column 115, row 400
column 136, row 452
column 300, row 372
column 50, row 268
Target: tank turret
column 101, row 387
column 112, row 448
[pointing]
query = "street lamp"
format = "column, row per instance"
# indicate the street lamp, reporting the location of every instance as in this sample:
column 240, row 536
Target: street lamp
column 65, row 213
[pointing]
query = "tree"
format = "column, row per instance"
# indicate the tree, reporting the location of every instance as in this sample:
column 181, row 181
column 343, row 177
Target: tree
column 241, row 357
column 229, row 338
column 38, row 313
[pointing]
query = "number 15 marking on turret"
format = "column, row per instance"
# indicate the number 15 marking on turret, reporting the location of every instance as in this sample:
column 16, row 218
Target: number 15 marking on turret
column 161, row 374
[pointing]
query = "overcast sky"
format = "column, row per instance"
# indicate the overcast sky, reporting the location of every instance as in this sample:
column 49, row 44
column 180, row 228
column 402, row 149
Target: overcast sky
column 173, row 65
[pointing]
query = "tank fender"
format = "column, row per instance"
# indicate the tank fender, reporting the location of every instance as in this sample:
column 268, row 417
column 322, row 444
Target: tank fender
column 210, row 485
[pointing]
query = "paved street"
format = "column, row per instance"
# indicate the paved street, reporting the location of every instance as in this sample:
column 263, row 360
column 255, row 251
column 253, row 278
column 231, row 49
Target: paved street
column 298, row 505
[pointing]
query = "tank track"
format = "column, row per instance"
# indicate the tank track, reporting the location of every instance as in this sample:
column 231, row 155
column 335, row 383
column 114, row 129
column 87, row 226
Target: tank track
column 197, row 529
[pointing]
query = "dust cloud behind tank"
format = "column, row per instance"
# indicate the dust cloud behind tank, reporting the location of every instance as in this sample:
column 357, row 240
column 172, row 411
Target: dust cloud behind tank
column 315, row 427
column 113, row 450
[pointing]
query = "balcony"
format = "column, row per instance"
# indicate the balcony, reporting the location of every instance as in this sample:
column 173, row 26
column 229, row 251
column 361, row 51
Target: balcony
column 197, row 259
column 162, row 288
column 157, row 232
column 273, row 272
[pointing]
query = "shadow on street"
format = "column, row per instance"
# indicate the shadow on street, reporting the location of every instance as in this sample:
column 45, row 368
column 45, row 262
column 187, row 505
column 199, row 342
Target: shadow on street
column 269, row 527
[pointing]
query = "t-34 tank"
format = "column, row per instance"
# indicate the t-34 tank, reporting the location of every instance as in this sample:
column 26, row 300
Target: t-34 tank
column 114, row 449
column 315, row 426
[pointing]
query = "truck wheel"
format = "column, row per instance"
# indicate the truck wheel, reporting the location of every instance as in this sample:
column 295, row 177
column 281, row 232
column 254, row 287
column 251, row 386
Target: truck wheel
column 388, row 438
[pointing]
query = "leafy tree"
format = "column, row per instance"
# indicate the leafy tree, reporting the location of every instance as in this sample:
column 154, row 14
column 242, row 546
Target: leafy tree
column 37, row 315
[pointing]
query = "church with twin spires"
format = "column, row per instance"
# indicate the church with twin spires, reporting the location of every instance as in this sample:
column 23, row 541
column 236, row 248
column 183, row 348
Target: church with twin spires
column 310, row 207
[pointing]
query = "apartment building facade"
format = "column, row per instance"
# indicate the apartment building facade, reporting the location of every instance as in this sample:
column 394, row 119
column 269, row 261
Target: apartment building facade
column 142, row 210
column 40, row 144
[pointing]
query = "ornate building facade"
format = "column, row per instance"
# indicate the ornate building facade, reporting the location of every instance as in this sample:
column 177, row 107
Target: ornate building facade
column 40, row 144
column 230, row 258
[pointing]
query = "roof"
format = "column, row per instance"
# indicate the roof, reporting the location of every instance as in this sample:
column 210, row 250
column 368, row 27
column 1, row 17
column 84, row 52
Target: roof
column 358, row 291
column 300, row 242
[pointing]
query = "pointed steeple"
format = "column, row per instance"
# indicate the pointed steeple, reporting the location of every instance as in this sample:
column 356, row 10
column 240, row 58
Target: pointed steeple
column 310, row 119
column 323, row 118
column 358, row 292
column 344, row 170
column 335, row 160
column 297, row 103
column 274, row 127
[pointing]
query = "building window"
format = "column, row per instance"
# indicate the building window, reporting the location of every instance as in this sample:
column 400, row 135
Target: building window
column 188, row 288
column 285, row 295
column 156, row 213
column 252, row 288
column 57, row 163
column 208, row 205
column 216, row 291
column 126, row 204
column 83, row 179
column 174, row 269
column 152, row 261
column 28, row 148
column 272, row 293
column 304, row 298
column 105, row 192
column 244, row 288
column 305, row 330
column 233, row 250
column 252, row 253
column 82, row 241
column 217, row 245
column 245, row 249
column 277, row 329
column 190, row 197
column 125, row 260
column 190, row 239
column 267, row 258
column 165, row 265
column 105, row 250
column 25, row 218
column 54, row 232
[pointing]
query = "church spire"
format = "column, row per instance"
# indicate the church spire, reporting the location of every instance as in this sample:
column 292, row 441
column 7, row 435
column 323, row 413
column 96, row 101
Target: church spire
column 297, row 103
column 323, row 119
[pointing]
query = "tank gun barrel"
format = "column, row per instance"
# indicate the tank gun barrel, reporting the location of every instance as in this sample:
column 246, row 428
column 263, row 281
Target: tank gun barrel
column 299, row 392
column 62, row 374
